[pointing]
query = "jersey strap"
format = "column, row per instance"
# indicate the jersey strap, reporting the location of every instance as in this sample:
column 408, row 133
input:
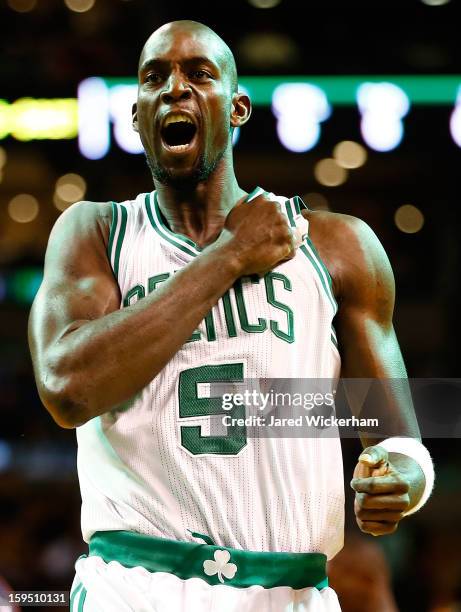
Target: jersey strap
column 116, row 235
column 294, row 206
column 214, row 564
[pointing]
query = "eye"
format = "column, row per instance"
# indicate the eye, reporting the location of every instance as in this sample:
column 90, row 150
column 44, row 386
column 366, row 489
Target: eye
column 153, row 77
column 200, row 75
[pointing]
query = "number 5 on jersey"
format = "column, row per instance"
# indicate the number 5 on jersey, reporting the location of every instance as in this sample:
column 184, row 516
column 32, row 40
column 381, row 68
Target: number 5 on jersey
column 191, row 405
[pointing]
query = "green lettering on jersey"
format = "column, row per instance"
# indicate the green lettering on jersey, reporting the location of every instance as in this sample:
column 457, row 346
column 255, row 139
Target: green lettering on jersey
column 155, row 280
column 191, row 405
column 137, row 291
column 269, row 278
column 210, row 328
column 261, row 325
column 152, row 283
column 195, row 336
column 230, row 323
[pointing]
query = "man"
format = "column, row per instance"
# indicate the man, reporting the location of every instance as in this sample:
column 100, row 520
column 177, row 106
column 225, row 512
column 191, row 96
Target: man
column 145, row 303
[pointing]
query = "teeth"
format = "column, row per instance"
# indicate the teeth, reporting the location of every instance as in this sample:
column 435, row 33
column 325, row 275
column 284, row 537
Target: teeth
column 177, row 118
column 179, row 148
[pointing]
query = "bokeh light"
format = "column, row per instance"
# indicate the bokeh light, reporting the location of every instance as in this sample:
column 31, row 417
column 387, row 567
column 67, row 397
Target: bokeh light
column 79, row 6
column 59, row 203
column 22, row 6
column 23, row 208
column 316, row 201
column 435, row 2
column 2, row 157
column 409, row 219
column 349, row 154
column 328, row 173
column 264, row 4
column 70, row 187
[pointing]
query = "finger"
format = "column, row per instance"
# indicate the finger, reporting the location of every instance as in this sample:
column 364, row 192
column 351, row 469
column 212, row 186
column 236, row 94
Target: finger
column 380, row 502
column 380, row 484
column 377, row 528
column 362, row 471
column 379, row 516
column 374, row 456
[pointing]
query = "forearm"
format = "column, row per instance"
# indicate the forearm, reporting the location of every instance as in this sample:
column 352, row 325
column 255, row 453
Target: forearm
column 103, row 362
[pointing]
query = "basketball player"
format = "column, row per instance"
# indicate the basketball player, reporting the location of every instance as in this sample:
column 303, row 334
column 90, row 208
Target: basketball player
column 146, row 302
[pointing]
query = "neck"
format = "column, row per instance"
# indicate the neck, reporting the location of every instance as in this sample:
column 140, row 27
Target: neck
column 199, row 211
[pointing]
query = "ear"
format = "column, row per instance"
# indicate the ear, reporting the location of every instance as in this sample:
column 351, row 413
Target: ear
column 241, row 109
column 134, row 114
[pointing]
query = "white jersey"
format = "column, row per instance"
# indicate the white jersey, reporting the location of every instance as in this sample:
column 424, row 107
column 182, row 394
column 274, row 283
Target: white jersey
column 152, row 465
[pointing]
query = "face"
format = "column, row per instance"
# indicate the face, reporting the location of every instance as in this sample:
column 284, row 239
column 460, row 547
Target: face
column 185, row 108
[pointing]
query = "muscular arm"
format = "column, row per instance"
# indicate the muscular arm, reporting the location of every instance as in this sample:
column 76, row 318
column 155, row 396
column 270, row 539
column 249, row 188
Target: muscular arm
column 88, row 355
column 364, row 286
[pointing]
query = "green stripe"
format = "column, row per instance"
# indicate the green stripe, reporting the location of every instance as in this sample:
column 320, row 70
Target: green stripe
column 320, row 275
column 299, row 204
column 326, row 272
column 186, row 560
column 251, row 195
column 113, row 228
column 121, row 236
column 166, row 235
column 325, row 269
column 178, row 237
column 314, row 257
column 180, row 241
column 291, row 218
column 73, row 595
column 81, row 603
column 333, row 339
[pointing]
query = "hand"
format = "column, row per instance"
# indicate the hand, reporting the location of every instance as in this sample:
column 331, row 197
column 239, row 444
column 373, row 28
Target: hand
column 259, row 235
column 382, row 492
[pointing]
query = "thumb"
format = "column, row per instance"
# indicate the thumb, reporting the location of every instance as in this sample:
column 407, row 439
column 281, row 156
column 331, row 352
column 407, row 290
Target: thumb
column 374, row 456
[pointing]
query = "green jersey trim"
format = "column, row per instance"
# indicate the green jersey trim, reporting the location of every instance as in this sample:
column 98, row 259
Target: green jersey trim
column 308, row 253
column 196, row 560
column 116, row 235
column 293, row 208
column 325, row 271
column 159, row 224
column 121, row 236
column 113, row 227
column 81, row 603
column 156, row 219
column 73, row 595
column 255, row 193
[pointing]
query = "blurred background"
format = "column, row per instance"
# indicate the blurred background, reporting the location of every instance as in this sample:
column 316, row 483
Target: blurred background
column 356, row 109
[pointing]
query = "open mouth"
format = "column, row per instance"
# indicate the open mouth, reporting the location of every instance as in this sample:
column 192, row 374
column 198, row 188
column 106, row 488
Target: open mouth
column 178, row 134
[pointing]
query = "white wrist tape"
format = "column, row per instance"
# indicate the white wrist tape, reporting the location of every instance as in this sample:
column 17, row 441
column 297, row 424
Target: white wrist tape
column 418, row 452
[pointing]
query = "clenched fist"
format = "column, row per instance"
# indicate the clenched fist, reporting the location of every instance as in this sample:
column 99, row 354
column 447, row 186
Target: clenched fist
column 381, row 492
column 259, row 236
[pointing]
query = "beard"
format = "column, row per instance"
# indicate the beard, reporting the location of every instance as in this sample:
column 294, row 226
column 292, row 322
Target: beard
column 202, row 172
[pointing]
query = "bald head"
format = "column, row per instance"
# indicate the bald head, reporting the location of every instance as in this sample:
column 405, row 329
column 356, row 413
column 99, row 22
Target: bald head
column 199, row 32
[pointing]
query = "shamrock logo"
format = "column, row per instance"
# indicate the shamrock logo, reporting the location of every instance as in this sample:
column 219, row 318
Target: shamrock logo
column 220, row 566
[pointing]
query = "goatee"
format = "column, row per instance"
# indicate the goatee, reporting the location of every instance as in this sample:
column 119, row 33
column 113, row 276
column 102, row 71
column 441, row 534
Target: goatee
column 201, row 172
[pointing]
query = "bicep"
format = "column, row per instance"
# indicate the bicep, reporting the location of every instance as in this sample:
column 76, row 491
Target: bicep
column 369, row 345
column 78, row 284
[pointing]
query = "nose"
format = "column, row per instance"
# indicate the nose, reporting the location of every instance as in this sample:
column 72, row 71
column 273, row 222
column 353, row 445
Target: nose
column 176, row 88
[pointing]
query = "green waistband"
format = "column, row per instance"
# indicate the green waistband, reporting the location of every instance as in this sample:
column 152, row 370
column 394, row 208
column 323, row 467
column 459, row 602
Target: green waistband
column 214, row 564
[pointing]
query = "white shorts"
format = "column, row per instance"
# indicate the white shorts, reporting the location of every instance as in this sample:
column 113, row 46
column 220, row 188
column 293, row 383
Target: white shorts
column 108, row 586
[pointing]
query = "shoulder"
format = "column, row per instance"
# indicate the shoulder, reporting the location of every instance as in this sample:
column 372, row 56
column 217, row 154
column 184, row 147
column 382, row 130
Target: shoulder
column 350, row 250
column 80, row 236
column 84, row 219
